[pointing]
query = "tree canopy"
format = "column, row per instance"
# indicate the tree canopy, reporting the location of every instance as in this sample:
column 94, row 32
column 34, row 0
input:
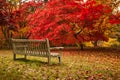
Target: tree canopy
column 62, row 21
column 70, row 22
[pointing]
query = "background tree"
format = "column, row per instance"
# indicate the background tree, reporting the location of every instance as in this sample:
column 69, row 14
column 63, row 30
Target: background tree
column 114, row 31
column 112, row 28
column 6, row 23
column 13, row 14
column 20, row 15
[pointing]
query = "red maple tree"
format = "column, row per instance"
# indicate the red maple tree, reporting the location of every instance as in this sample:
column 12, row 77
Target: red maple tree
column 68, row 21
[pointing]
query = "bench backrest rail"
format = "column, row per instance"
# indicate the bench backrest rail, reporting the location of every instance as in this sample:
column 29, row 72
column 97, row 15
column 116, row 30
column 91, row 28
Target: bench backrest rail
column 31, row 47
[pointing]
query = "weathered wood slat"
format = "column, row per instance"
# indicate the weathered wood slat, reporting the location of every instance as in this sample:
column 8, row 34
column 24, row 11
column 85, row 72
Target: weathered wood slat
column 33, row 47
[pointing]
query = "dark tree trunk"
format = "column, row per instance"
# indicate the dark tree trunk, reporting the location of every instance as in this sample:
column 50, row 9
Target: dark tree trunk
column 45, row 1
column 82, row 47
column 95, row 43
column 7, row 36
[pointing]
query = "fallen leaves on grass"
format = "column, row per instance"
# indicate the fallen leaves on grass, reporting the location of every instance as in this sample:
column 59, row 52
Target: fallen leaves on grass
column 82, row 65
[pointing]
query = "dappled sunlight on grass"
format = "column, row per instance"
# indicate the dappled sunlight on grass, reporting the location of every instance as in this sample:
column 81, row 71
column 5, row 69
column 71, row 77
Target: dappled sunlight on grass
column 76, row 65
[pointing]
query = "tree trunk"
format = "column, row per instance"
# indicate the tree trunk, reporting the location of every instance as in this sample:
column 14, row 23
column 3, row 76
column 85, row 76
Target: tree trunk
column 81, row 45
column 95, row 43
column 7, row 36
column 45, row 1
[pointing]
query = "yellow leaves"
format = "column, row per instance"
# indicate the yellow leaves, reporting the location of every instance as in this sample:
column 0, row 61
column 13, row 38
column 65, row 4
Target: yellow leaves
column 104, row 1
column 77, row 29
column 103, row 23
column 108, row 25
column 15, row 0
column 24, row 30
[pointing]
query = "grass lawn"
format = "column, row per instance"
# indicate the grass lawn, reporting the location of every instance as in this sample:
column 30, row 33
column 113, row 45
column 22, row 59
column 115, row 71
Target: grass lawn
column 90, row 64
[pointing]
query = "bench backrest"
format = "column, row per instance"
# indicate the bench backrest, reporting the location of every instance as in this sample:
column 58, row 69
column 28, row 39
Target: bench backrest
column 31, row 47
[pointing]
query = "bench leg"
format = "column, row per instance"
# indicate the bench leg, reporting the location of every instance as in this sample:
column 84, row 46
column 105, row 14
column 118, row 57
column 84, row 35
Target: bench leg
column 14, row 56
column 59, row 58
column 25, row 56
column 48, row 60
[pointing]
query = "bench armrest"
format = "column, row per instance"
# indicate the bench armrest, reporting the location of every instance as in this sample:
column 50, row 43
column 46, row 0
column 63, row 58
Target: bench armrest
column 58, row 48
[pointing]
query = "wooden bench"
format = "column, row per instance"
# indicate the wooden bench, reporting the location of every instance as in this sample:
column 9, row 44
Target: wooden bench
column 33, row 47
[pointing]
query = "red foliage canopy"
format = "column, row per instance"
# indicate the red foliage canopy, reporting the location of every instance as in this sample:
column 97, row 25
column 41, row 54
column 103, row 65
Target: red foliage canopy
column 68, row 21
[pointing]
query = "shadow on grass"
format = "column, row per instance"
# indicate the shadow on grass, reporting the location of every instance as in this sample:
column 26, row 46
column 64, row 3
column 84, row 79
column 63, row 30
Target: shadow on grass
column 37, row 62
